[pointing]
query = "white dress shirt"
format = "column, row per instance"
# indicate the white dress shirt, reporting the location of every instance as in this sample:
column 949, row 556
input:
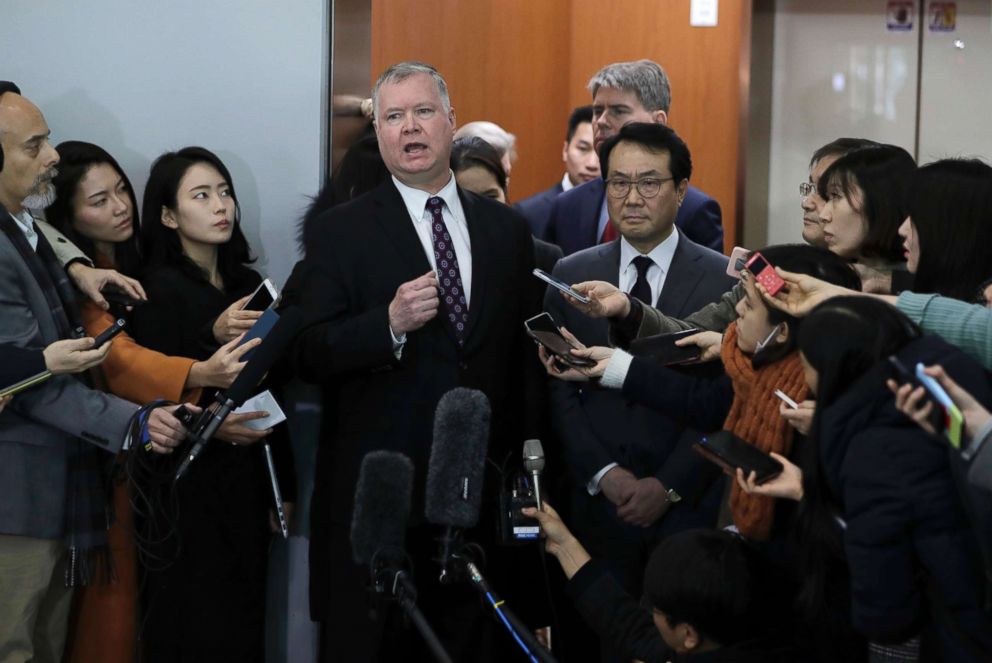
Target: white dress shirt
column 25, row 222
column 566, row 184
column 415, row 201
column 661, row 256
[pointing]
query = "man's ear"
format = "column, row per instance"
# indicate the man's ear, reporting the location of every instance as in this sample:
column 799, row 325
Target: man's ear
column 784, row 332
column 681, row 190
column 169, row 218
column 691, row 638
column 660, row 117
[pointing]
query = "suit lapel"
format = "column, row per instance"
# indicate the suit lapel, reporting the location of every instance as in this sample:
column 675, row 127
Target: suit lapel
column 478, row 234
column 681, row 280
column 397, row 228
column 607, row 267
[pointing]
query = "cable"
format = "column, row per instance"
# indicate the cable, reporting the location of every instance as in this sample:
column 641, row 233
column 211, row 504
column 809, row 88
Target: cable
column 496, row 608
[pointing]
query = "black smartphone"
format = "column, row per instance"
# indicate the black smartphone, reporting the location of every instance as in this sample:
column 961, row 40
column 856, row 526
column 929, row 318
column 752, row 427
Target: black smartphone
column 115, row 295
column 108, row 333
column 263, row 297
column 662, row 347
column 730, row 452
column 901, row 374
column 542, row 328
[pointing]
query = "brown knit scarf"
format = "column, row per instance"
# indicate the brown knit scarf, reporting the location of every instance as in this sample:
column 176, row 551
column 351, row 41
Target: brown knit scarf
column 754, row 417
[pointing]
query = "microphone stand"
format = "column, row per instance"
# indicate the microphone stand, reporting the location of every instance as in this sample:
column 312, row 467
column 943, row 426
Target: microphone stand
column 395, row 582
column 467, row 568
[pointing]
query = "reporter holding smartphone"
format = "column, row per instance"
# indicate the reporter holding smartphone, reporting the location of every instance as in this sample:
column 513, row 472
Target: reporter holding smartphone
column 96, row 207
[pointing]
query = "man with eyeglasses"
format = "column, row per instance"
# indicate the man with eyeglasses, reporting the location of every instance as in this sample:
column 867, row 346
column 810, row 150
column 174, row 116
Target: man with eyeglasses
column 625, row 92
column 632, row 465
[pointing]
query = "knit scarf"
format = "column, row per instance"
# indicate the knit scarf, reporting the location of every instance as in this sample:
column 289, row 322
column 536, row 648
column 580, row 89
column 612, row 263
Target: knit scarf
column 754, row 417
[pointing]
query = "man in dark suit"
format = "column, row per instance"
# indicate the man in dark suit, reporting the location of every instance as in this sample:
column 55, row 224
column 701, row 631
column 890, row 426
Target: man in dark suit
column 412, row 289
column 622, row 93
column 632, row 466
column 581, row 166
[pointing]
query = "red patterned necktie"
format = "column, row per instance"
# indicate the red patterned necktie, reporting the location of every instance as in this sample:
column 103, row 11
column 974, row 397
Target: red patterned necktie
column 449, row 277
column 610, row 233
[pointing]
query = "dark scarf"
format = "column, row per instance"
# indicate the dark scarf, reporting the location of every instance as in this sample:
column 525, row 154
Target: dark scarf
column 86, row 493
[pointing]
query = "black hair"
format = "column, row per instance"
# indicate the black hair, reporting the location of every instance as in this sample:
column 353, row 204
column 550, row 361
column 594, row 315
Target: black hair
column 950, row 204
column 578, row 116
column 161, row 245
column 843, row 338
column 840, row 147
column 361, row 169
column 654, row 138
column 75, row 160
column 883, row 174
column 711, row 580
column 979, row 295
column 801, row 259
column 471, row 152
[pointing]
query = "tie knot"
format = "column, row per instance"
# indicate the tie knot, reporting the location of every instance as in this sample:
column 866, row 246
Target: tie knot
column 435, row 204
column 643, row 263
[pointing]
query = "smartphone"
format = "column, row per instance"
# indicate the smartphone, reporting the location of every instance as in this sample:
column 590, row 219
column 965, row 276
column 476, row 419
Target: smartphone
column 730, row 452
column 662, row 348
column 952, row 420
column 26, row 383
column 564, row 287
column 108, row 333
column 764, row 273
column 542, row 328
column 902, row 375
column 785, row 398
column 738, row 258
column 265, row 295
column 115, row 295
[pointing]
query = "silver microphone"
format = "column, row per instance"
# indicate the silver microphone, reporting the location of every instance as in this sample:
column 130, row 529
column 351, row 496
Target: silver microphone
column 534, row 465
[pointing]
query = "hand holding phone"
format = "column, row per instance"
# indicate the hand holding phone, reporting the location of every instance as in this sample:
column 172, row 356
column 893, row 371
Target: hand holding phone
column 265, row 295
column 764, row 273
column 785, row 399
column 952, row 420
column 662, row 348
column 108, row 333
column 542, row 328
column 738, row 258
column 730, row 452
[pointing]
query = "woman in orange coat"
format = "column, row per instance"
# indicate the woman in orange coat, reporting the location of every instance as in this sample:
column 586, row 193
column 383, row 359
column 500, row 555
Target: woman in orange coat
column 97, row 209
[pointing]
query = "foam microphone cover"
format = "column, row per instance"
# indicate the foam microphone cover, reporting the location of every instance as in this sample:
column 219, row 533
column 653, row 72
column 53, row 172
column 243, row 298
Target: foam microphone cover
column 382, row 504
column 273, row 346
column 458, row 458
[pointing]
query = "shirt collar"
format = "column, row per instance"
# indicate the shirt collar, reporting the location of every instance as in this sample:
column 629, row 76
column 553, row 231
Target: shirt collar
column 416, row 199
column 566, row 184
column 661, row 255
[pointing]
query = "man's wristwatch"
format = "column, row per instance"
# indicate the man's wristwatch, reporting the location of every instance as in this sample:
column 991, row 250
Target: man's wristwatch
column 673, row 496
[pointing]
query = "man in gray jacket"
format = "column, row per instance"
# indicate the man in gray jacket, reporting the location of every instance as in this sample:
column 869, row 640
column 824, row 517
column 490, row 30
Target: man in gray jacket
column 53, row 437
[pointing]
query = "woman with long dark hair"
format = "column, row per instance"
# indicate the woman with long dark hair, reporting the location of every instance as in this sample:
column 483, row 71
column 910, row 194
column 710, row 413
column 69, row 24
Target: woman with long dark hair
column 881, row 487
column 96, row 207
column 208, row 601
column 947, row 233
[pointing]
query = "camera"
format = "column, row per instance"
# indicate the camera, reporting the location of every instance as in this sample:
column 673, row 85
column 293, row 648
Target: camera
column 514, row 527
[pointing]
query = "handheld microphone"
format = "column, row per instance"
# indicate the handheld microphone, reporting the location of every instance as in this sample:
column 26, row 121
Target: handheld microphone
column 456, row 468
column 272, row 348
column 534, row 464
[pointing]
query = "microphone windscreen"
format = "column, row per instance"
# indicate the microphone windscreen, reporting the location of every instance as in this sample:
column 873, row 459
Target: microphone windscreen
column 382, row 504
column 266, row 355
column 458, row 458
column 533, row 456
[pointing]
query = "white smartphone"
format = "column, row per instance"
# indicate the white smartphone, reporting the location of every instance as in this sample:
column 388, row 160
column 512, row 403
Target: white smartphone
column 788, row 401
column 265, row 295
column 564, row 287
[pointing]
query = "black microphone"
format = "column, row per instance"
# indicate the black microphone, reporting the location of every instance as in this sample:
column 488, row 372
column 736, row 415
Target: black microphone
column 264, row 358
column 534, row 465
column 382, row 505
column 456, row 467
column 378, row 530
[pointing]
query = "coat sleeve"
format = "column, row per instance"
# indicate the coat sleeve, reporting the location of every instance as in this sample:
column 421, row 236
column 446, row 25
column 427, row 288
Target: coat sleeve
column 698, row 402
column 65, row 251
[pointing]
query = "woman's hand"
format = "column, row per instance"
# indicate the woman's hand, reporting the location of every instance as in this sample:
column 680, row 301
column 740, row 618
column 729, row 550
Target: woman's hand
column 801, row 293
column 709, row 342
column 91, row 281
column 558, row 540
column 605, row 300
column 223, row 366
column 233, row 429
column 165, row 432
column 908, row 399
column 233, row 321
column 800, row 418
column 4, row 400
column 787, row 485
